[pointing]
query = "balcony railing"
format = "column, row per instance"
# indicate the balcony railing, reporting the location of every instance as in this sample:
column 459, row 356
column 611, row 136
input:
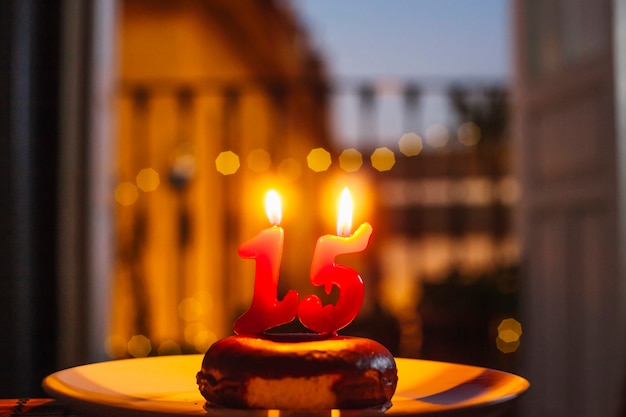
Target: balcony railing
column 432, row 153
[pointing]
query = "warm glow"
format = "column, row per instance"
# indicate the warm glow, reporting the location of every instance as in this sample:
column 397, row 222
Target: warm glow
column 272, row 207
column 344, row 221
column 331, row 190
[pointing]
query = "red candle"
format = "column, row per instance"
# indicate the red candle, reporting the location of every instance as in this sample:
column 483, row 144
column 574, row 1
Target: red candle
column 324, row 271
column 266, row 248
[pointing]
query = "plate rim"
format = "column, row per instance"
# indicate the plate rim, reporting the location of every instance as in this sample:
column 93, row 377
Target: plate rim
column 57, row 389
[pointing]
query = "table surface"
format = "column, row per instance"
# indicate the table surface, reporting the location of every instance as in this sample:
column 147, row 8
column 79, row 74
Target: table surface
column 34, row 407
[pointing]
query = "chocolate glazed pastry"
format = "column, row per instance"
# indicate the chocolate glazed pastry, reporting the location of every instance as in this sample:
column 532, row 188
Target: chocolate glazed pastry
column 298, row 371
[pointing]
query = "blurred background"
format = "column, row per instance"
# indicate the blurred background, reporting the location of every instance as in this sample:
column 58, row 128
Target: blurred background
column 482, row 141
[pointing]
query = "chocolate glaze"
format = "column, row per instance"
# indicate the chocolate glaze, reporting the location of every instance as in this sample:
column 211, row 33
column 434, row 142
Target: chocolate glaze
column 367, row 370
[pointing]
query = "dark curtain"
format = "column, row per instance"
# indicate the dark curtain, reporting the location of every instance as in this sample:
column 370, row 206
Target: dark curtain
column 29, row 139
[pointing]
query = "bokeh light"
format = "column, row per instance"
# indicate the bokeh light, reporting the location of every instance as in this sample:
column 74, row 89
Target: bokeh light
column 475, row 191
column 509, row 333
column 169, row 347
column 203, row 340
column 126, row 193
column 259, row 160
column 198, row 336
column 508, row 190
column 468, row 134
column 437, row 136
column 289, row 169
column 139, row 346
column 191, row 330
column 184, row 166
column 383, row 159
column 116, row 347
column 318, row 159
column 507, row 347
column 410, row 144
column 350, row 160
column 190, row 309
column 227, row 163
column 147, row 180
column 508, row 336
column 510, row 325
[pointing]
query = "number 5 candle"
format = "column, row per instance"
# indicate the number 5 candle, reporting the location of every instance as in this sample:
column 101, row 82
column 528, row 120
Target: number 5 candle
column 324, row 271
column 266, row 311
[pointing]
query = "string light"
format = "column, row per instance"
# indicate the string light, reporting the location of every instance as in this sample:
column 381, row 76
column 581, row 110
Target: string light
column 350, row 160
column 139, row 346
column 227, row 163
column 147, row 180
column 318, row 159
column 383, row 159
column 126, row 193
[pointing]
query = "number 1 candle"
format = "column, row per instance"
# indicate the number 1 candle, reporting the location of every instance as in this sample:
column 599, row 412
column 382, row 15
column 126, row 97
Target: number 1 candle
column 266, row 248
column 325, row 272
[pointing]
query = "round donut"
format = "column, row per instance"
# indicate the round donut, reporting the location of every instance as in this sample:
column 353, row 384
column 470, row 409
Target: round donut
column 298, row 371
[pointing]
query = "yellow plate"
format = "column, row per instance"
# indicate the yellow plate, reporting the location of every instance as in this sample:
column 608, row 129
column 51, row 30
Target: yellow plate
column 166, row 386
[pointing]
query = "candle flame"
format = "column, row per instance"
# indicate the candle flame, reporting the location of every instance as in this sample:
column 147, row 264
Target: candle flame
column 272, row 207
column 344, row 221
